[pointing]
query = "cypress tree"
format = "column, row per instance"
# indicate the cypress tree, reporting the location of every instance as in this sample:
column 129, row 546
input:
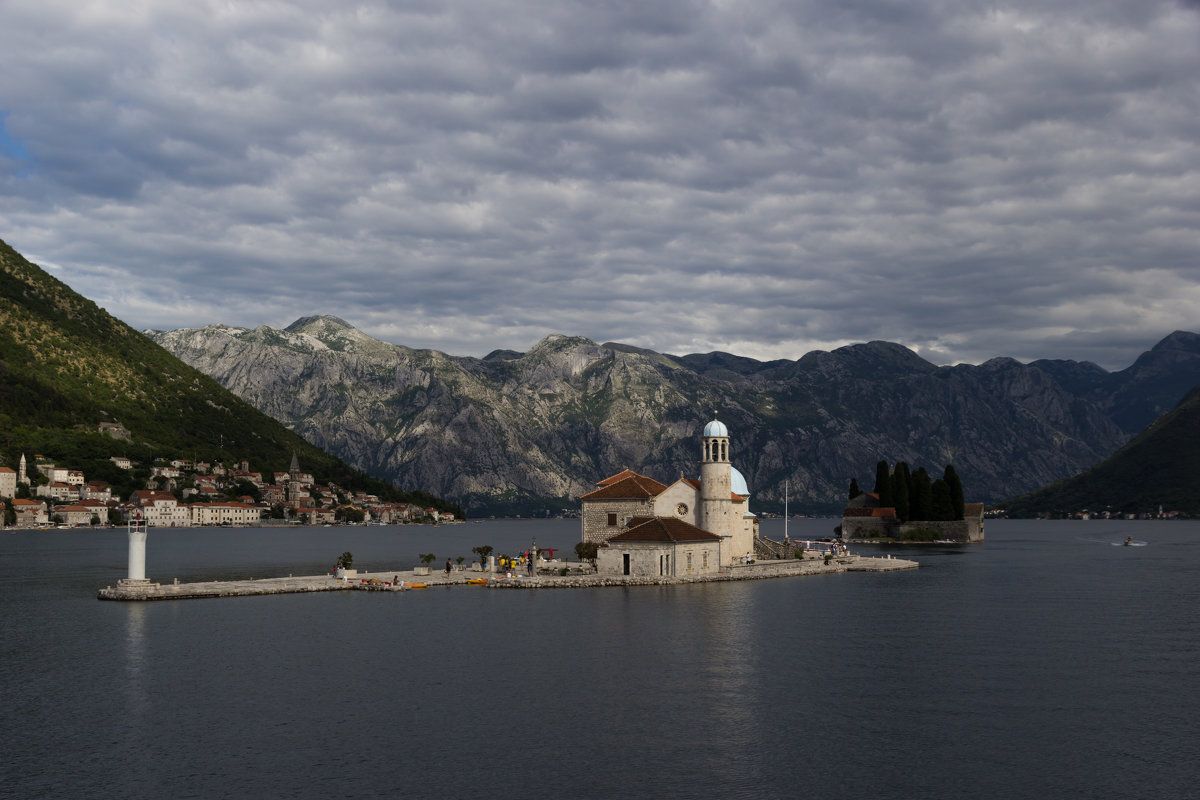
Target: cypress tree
column 943, row 506
column 900, row 499
column 883, row 484
column 921, row 497
column 956, row 492
column 854, row 490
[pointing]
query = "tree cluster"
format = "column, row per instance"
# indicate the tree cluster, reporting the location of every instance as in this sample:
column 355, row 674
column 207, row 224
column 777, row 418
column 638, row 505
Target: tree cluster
column 916, row 496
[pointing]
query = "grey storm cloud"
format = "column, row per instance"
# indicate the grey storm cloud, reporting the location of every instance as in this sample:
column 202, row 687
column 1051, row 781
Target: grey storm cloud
column 967, row 179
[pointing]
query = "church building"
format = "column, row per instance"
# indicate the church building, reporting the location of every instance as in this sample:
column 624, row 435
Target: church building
column 691, row 527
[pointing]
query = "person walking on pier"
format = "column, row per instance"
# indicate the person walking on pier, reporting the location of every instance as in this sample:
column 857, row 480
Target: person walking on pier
column 448, row 568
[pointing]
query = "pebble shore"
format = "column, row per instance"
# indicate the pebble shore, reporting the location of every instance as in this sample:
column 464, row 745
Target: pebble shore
column 403, row 580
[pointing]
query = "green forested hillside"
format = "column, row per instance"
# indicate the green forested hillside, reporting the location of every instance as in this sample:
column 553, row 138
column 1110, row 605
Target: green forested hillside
column 66, row 366
column 1159, row 467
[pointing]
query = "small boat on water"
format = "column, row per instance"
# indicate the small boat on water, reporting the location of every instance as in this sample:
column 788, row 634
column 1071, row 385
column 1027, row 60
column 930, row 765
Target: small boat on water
column 477, row 581
column 1129, row 541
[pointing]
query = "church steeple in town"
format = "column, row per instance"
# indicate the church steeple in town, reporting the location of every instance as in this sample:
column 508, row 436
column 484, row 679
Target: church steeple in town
column 293, row 489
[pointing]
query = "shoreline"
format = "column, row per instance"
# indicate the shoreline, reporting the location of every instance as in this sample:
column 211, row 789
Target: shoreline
column 382, row 580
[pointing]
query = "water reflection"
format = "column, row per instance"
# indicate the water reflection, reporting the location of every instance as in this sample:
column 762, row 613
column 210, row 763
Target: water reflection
column 729, row 639
column 137, row 693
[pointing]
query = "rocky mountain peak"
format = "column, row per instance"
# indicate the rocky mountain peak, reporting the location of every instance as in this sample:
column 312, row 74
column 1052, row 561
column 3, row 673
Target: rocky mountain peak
column 318, row 324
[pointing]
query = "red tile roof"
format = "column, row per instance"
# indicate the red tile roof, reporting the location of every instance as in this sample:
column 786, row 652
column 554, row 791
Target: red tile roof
column 869, row 512
column 662, row 529
column 620, row 476
column 634, row 486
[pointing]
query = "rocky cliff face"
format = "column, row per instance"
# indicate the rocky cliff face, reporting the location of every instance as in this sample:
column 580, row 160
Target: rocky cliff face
column 509, row 431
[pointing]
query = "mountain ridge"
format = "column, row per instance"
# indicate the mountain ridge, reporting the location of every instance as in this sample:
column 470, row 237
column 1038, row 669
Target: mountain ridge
column 510, row 431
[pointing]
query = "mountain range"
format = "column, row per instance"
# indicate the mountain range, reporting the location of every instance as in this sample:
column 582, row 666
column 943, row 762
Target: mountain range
column 518, row 432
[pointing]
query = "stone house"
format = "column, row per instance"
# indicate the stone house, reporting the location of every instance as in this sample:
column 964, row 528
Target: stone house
column 96, row 490
column 58, row 491
column 660, row 547
column 30, row 512
column 81, row 513
column 8, row 482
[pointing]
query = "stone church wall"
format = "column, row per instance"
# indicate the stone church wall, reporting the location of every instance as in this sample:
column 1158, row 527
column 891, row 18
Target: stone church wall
column 595, row 516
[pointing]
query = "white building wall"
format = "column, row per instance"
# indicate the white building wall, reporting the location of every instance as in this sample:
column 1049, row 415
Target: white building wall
column 8, row 482
column 680, row 493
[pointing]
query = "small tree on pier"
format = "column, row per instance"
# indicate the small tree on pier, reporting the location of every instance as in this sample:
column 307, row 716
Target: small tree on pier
column 587, row 551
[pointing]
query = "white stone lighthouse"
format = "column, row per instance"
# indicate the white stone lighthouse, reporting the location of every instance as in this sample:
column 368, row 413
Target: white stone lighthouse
column 137, row 552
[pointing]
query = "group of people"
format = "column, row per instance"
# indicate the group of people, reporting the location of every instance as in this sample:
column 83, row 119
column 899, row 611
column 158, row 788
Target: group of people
column 509, row 564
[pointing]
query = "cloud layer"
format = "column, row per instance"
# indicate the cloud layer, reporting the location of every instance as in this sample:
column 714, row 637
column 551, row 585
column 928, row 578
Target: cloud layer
column 968, row 179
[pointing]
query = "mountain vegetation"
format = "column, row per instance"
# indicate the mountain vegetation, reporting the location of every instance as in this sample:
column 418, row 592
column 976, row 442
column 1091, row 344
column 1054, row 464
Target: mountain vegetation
column 1159, row 467
column 529, row 432
column 67, row 367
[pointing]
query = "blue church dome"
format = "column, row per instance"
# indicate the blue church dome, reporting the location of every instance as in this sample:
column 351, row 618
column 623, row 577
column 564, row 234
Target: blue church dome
column 716, row 428
column 737, row 483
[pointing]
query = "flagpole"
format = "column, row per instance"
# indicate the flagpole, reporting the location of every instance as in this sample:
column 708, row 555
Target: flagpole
column 785, row 513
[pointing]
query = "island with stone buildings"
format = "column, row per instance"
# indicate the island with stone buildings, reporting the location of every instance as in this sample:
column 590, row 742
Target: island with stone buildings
column 186, row 493
column 646, row 533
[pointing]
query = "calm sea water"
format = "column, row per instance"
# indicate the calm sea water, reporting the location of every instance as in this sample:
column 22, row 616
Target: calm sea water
column 1044, row 663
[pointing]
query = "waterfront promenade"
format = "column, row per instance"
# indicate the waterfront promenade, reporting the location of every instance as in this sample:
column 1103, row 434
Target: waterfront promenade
column 403, row 580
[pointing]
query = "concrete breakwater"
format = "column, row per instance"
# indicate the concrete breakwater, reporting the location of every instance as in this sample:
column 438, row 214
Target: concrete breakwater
column 405, row 580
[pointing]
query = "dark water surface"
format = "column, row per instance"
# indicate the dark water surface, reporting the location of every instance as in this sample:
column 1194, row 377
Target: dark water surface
column 1044, row 663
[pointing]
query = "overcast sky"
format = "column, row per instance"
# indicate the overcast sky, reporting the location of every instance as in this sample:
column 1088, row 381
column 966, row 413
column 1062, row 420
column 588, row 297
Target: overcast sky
column 969, row 179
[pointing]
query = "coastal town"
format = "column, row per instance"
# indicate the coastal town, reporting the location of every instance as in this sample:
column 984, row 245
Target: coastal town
column 186, row 493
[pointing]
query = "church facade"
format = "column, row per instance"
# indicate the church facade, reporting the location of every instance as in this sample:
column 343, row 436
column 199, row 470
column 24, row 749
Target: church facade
column 689, row 527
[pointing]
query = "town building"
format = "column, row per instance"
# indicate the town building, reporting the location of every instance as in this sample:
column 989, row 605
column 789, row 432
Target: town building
column 8, row 482
column 81, row 513
column 30, row 512
column 160, row 509
column 58, row 490
column 229, row 513
column 96, row 490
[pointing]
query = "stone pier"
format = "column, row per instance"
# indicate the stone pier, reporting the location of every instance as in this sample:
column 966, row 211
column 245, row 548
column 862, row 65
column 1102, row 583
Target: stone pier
column 405, row 580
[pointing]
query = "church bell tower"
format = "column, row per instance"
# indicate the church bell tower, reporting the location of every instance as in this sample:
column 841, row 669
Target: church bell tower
column 716, row 503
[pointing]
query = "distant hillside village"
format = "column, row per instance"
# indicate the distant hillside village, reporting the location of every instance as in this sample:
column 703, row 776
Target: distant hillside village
column 183, row 493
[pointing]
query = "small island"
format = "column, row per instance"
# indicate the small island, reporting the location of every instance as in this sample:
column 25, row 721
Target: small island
column 907, row 506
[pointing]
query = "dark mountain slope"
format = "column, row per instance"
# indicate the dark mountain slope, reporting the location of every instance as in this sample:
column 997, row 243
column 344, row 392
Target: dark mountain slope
column 1160, row 467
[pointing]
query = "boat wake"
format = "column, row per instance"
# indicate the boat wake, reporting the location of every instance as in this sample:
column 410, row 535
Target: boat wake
column 1129, row 541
